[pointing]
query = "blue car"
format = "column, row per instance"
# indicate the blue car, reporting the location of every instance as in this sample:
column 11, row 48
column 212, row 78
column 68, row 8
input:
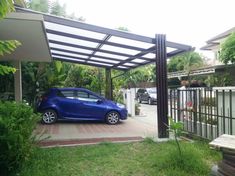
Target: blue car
column 79, row 104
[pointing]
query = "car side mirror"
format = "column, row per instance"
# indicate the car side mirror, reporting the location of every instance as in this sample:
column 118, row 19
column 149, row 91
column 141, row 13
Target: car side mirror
column 99, row 101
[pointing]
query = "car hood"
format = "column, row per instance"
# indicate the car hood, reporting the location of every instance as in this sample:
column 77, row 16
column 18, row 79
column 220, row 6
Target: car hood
column 112, row 103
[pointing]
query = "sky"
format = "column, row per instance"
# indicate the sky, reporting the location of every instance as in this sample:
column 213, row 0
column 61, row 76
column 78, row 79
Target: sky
column 191, row 22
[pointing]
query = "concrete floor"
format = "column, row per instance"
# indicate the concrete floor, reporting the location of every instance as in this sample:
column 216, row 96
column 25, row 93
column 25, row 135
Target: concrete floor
column 143, row 125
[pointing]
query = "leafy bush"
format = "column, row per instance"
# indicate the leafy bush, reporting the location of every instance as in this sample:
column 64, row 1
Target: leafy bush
column 17, row 122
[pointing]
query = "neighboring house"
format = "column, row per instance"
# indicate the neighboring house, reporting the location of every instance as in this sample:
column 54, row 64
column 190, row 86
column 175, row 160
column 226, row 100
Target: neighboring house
column 216, row 67
column 213, row 45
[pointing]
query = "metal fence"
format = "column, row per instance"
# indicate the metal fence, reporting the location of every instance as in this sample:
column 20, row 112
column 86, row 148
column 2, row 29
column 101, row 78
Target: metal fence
column 206, row 112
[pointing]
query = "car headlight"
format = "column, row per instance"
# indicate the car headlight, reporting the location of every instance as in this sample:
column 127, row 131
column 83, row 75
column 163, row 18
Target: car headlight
column 120, row 105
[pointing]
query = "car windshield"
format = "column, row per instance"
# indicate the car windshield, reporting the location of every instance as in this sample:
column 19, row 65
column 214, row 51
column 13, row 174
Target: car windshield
column 152, row 90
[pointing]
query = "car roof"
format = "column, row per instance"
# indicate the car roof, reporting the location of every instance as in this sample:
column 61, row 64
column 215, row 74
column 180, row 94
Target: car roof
column 70, row 88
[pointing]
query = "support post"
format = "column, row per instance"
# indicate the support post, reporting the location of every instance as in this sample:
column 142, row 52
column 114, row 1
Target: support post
column 108, row 82
column 162, row 90
column 18, row 81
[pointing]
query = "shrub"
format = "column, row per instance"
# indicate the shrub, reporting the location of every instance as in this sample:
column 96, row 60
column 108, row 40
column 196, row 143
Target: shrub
column 17, row 122
column 191, row 160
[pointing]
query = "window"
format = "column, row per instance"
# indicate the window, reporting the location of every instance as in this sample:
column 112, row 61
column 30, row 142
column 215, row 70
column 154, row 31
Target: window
column 66, row 94
column 84, row 96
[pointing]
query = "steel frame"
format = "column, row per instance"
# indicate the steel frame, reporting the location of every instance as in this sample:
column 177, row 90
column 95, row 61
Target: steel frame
column 108, row 34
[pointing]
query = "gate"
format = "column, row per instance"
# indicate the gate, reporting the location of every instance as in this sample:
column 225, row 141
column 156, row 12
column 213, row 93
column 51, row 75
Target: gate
column 205, row 112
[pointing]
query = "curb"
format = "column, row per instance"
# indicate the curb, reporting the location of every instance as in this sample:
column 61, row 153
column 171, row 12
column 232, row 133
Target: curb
column 92, row 141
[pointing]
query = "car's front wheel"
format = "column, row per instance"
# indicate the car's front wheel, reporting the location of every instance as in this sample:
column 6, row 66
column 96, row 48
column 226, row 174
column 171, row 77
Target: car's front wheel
column 112, row 118
column 49, row 116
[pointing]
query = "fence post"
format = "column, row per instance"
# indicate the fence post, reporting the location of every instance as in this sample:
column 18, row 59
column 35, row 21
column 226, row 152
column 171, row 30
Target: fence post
column 178, row 106
column 195, row 111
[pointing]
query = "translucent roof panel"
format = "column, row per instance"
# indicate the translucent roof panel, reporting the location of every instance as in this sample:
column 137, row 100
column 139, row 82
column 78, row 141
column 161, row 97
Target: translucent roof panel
column 168, row 49
column 119, row 49
column 70, row 48
column 68, row 58
column 129, row 64
column 71, row 40
column 111, row 55
column 68, row 54
column 122, row 67
column 72, row 30
column 104, row 60
column 150, row 56
column 138, row 60
column 99, row 63
column 130, row 42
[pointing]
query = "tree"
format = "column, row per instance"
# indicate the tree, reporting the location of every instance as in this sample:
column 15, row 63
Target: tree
column 57, row 9
column 39, row 5
column 186, row 62
column 86, row 77
column 7, row 46
column 227, row 53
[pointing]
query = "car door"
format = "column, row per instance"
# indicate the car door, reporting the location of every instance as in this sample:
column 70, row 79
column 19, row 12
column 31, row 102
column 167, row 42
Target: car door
column 91, row 107
column 67, row 103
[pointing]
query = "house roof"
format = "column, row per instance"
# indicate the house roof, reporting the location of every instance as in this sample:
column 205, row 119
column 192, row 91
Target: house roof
column 29, row 30
column 200, row 71
column 215, row 41
column 78, row 42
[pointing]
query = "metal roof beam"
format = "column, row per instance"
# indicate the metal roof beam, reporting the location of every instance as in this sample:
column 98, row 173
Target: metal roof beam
column 149, row 50
column 85, row 54
column 178, row 46
column 85, row 59
column 84, row 63
column 106, row 38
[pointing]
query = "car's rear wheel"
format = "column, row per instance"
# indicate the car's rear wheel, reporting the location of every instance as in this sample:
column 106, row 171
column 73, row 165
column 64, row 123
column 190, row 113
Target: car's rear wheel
column 49, row 116
column 112, row 118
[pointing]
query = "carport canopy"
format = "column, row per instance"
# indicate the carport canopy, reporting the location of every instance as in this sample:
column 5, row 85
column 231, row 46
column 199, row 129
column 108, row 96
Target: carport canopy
column 73, row 41
column 78, row 42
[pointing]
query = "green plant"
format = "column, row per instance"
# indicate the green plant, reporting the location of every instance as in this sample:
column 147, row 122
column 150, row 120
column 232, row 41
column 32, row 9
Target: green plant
column 209, row 120
column 176, row 128
column 227, row 53
column 190, row 161
column 17, row 122
column 7, row 46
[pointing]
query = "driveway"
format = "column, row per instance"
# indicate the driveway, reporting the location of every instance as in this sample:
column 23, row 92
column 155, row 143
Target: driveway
column 137, row 127
column 148, row 115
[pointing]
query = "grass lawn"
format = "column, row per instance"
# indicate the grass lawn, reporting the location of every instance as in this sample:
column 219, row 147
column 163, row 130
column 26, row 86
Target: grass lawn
column 107, row 159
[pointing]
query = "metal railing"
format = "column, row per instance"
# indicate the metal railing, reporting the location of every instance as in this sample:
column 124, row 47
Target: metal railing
column 206, row 112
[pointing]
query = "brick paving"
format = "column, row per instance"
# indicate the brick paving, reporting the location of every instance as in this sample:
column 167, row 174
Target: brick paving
column 64, row 131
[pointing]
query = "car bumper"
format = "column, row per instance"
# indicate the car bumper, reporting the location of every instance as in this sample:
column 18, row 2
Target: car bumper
column 123, row 114
column 153, row 99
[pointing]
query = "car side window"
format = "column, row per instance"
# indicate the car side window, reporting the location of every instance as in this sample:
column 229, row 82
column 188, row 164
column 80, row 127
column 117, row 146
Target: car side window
column 70, row 94
column 84, row 96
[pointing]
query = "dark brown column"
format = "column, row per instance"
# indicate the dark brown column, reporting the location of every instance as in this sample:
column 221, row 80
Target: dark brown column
column 108, row 87
column 162, row 90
